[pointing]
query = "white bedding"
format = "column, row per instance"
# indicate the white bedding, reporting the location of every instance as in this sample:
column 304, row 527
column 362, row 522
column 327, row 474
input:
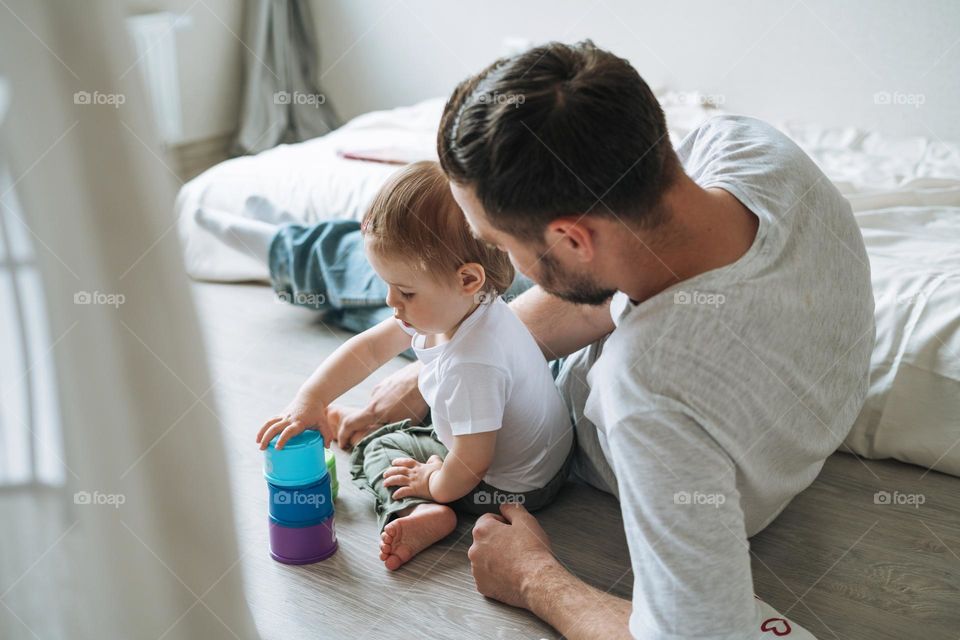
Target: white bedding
column 912, row 411
column 905, row 192
column 304, row 182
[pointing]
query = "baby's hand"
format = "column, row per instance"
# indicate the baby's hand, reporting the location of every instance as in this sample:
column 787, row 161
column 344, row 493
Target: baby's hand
column 412, row 477
column 299, row 416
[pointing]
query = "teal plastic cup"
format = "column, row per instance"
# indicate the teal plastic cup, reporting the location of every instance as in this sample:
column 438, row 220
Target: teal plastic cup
column 300, row 462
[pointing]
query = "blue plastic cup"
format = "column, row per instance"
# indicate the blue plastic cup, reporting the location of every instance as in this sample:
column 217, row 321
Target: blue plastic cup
column 300, row 462
column 299, row 506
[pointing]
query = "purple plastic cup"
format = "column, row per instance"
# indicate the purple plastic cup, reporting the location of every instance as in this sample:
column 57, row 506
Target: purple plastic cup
column 303, row 545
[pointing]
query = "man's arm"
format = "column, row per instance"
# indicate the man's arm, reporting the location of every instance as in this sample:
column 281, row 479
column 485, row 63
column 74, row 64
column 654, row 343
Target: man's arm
column 576, row 609
column 512, row 562
column 560, row 327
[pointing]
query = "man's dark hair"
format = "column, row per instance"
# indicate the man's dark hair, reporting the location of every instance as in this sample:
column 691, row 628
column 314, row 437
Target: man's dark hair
column 558, row 130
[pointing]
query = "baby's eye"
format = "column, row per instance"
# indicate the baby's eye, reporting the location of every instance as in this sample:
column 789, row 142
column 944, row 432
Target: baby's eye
column 406, row 296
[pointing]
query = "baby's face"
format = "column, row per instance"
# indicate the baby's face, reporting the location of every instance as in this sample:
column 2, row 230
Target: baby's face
column 418, row 300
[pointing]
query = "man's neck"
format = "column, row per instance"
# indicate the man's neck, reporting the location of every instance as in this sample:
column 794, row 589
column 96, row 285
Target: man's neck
column 707, row 229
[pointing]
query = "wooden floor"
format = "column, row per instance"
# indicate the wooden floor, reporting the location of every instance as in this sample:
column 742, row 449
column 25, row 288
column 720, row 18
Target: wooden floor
column 835, row 561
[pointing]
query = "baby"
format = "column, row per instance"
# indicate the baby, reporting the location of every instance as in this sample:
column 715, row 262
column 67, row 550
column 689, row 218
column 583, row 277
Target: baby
column 500, row 431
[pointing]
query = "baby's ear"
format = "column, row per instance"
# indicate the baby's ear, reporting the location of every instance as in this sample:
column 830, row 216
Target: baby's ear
column 472, row 277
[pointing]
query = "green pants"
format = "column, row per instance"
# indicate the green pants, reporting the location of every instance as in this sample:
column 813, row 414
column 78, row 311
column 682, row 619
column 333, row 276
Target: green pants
column 373, row 455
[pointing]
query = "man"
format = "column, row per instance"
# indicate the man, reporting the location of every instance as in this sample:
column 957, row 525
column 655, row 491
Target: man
column 715, row 308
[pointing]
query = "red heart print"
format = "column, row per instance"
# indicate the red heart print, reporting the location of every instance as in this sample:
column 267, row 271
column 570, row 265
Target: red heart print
column 778, row 626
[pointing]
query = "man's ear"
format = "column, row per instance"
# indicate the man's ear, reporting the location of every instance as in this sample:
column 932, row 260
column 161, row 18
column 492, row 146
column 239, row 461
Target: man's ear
column 471, row 277
column 573, row 234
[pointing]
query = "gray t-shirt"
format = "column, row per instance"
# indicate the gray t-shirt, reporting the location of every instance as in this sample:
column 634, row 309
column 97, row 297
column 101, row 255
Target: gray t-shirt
column 718, row 400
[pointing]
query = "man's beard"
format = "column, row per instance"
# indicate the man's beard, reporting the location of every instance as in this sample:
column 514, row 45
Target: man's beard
column 577, row 288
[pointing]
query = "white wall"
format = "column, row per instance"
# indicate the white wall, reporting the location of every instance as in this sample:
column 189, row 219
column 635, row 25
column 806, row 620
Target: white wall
column 809, row 60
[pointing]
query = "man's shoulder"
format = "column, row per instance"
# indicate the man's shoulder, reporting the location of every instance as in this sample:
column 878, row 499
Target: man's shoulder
column 720, row 127
column 742, row 145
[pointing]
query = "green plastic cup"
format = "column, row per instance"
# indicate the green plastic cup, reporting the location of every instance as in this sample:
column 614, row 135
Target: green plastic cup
column 331, row 461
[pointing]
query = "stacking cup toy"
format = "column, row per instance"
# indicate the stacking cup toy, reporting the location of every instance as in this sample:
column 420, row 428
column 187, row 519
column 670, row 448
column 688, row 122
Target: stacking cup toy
column 300, row 462
column 303, row 505
column 301, row 508
column 332, row 472
column 303, row 545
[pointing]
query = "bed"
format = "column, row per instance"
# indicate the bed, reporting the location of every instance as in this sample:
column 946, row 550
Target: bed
column 905, row 193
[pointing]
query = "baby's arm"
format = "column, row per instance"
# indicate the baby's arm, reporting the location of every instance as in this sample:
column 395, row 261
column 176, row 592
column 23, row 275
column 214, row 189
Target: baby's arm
column 464, row 467
column 354, row 361
column 348, row 366
column 448, row 479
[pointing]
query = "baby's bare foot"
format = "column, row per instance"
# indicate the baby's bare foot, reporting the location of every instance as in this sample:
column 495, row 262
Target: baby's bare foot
column 405, row 537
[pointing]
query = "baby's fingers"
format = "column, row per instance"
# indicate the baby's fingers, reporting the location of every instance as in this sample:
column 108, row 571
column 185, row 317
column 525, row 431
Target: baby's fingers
column 393, row 471
column 271, row 432
column 403, row 462
column 396, row 481
column 402, row 492
column 291, row 430
column 266, row 425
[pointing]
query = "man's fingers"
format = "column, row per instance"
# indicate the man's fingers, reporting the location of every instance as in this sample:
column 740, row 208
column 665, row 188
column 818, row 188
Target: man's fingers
column 354, row 427
column 513, row 510
column 329, row 435
column 343, row 437
column 351, row 423
column 487, row 521
column 516, row 513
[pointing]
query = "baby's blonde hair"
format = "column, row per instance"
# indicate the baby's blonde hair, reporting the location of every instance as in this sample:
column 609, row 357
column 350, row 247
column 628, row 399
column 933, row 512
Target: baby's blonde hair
column 414, row 218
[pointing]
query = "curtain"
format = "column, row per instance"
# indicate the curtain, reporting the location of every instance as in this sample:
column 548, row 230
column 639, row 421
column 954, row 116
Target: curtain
column 134, row 537
column 282, row 99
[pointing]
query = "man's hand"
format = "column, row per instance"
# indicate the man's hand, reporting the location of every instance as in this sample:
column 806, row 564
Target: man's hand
column 512, row 562
column 507, row 553
column 411, row 477
column 395, row 398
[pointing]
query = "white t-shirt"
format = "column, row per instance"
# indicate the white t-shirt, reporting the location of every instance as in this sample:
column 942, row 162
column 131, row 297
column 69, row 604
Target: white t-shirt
column 718, row 400
column 493, row 376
